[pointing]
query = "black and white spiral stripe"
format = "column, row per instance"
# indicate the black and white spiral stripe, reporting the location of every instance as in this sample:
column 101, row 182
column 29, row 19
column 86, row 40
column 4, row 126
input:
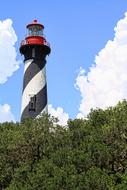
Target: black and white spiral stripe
column 34, row 84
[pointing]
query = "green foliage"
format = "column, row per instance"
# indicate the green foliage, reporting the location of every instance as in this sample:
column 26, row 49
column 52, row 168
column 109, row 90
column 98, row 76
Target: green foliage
column 90, row 154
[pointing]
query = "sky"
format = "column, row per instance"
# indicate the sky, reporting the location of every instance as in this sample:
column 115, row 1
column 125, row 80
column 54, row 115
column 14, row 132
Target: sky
column 88, row 61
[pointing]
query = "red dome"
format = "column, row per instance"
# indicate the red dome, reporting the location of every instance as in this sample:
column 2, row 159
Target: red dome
column 35, row 23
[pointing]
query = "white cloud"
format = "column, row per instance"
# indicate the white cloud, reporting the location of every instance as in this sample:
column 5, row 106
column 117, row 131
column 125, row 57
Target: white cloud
column 106, row 82
column 5, row 113
column 58, row 113
column 8, row 62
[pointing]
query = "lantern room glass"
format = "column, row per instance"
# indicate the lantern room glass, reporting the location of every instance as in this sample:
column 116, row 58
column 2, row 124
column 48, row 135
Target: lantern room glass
column 35, row 30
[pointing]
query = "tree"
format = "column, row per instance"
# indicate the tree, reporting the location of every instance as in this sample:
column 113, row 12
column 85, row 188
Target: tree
column 88, row 154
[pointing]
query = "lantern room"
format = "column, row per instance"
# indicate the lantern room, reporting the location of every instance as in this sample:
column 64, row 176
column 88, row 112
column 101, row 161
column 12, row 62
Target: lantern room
column 35, row 37
column 35, row 29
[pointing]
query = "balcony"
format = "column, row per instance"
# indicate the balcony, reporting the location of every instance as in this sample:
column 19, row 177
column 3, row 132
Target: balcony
column 34, row 40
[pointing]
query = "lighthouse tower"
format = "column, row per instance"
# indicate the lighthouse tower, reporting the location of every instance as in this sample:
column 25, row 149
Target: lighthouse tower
column 34, row 48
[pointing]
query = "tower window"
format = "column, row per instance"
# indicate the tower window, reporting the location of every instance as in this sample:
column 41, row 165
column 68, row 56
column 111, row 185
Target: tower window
column 32, row 103
column 33, row 52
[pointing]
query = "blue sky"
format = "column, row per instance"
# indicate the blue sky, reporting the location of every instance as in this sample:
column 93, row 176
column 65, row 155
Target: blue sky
column 76, row 29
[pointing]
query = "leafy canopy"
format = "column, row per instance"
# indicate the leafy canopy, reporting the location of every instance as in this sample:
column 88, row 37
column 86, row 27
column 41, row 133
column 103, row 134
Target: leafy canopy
column 88, row 154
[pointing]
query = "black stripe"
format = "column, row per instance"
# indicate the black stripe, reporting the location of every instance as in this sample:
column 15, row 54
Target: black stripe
column 35, row 67
column 41, row 102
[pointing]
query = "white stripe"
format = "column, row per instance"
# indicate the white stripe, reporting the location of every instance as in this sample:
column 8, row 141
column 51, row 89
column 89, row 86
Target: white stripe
column 45, row 110
column 27, row 64
column 33, row 87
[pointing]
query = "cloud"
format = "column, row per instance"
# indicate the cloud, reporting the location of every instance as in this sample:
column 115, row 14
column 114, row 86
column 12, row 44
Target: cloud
column 106, row 82
column 8, row 62
column 58, row 113
column 5, row 113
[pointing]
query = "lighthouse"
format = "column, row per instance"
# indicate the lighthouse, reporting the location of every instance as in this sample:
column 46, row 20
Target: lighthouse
column 34, row 48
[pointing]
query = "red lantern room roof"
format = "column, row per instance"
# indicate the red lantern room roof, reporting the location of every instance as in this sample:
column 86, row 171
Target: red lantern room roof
column 35, row 23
